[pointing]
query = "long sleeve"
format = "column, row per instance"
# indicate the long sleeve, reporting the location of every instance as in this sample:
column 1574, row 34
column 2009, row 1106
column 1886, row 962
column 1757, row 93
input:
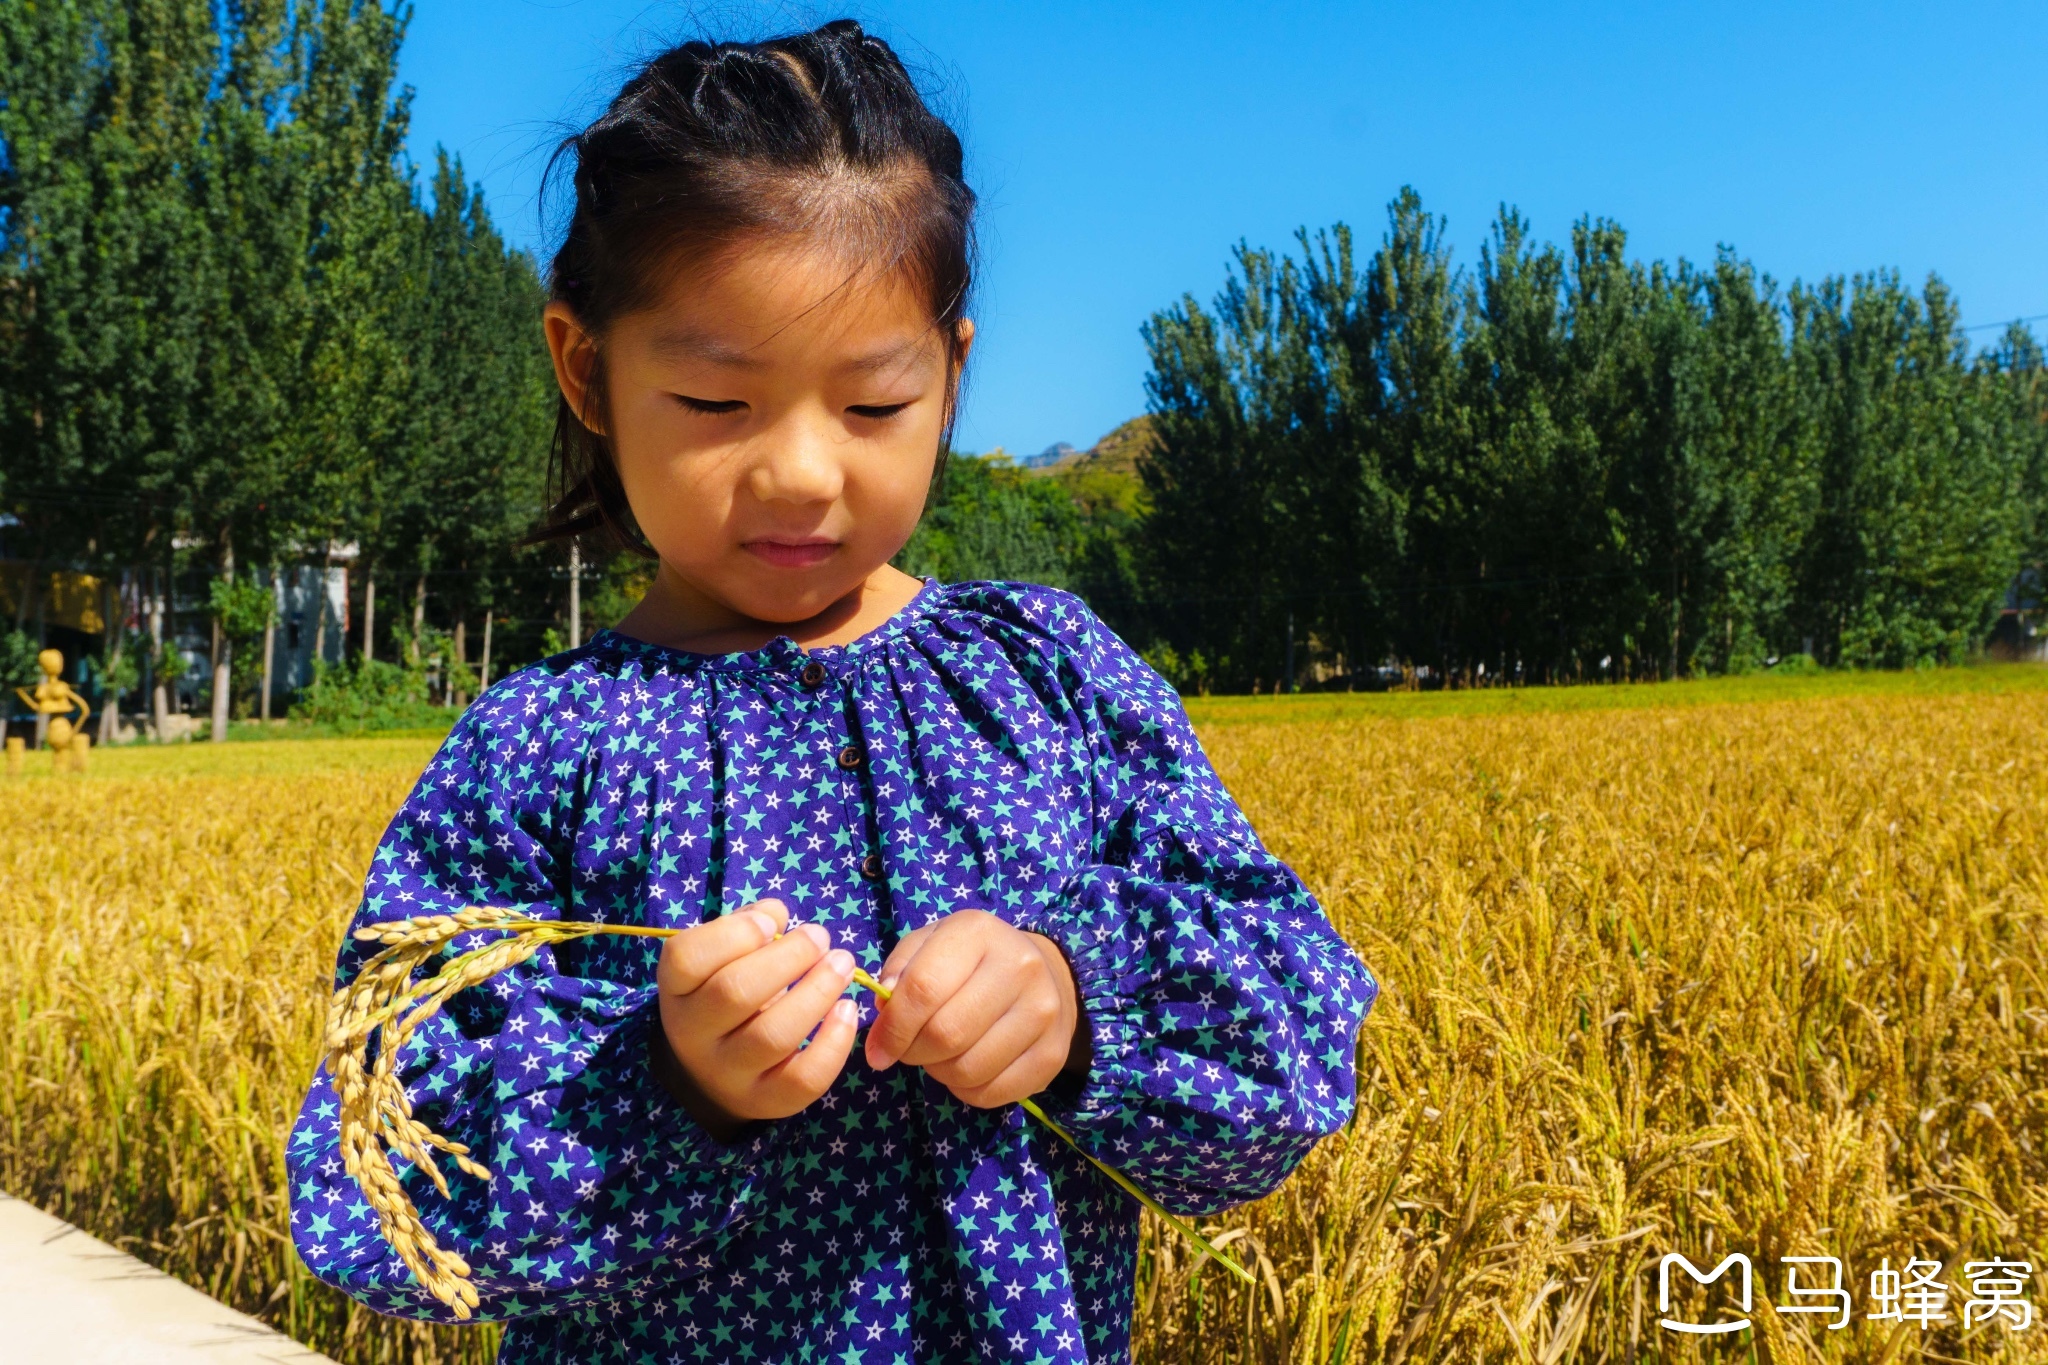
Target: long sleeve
column 1224, row 1008
column 601, row 1183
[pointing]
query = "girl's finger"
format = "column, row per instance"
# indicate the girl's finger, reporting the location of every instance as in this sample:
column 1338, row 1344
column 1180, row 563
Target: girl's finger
column 905, row 949
column 942, row 965
column 740, row 988
column 1020, row 1028
column 957, row 1026
column 781, row 1028
column 792, row 1084
column 691, row 958
column 1029, row 1074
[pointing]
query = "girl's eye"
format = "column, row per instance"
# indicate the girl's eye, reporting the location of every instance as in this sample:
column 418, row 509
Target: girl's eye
column 708, row 406
column 877, row 410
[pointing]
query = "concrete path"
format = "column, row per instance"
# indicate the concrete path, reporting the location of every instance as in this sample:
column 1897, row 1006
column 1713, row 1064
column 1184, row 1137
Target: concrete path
column 67, row 1297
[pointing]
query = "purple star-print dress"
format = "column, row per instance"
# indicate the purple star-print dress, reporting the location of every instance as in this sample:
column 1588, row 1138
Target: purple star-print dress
column 992, row 746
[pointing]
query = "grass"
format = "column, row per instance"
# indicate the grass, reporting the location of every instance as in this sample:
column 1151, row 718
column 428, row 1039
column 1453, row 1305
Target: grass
column 1765, row 974
column 1481, row 701
column 1326, row 707
column 257, row 731
column 402, row 755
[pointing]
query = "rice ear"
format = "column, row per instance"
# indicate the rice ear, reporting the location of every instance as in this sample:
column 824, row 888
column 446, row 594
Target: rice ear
column 384, row 1002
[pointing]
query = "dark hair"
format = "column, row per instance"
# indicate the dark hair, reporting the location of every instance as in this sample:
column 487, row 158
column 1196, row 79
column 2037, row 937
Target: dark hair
column 711, row 145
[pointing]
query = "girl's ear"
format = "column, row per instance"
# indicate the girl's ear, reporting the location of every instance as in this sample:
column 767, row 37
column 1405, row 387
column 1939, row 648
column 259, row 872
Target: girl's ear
column 574, row 352
column 963, row 337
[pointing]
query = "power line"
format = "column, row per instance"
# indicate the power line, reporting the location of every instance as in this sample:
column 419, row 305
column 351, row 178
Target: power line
column 1987, row 326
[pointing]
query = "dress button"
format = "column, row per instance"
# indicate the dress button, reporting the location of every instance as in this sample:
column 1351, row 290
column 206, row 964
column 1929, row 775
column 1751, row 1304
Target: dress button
column 813, row 674
column 871, row 867
column 852, row 756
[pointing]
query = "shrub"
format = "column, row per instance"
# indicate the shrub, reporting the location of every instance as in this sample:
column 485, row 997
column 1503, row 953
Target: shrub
column 371, row 695
column 17, row 663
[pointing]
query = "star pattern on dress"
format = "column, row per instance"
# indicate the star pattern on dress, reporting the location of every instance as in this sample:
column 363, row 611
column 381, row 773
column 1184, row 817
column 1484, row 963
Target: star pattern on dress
column 993, row 746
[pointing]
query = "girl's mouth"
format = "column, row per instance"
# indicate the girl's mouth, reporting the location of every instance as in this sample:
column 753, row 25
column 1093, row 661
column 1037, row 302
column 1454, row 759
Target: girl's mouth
column 797, row 553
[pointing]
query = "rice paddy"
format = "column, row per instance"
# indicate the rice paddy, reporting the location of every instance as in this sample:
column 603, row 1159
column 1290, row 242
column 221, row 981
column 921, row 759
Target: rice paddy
column 1764, row 976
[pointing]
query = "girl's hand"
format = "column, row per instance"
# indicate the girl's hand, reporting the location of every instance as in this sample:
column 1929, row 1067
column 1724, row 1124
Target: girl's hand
column 989, row 1010
column 737, row 1002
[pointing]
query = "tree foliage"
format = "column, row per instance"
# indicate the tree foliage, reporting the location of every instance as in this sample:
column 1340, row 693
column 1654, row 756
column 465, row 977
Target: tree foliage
column 238, row 326
column 234, row 326
column 1572, row 464
column 1067, row 528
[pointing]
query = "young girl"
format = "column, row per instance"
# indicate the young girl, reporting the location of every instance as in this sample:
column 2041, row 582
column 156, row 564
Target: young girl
column 808, row 760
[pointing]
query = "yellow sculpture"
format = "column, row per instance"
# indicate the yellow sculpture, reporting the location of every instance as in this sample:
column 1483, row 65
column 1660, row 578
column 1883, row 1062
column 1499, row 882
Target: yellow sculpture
column 53, row 697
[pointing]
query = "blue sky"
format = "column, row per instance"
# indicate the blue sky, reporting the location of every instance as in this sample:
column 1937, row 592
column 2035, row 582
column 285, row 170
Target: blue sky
column 1120, row 149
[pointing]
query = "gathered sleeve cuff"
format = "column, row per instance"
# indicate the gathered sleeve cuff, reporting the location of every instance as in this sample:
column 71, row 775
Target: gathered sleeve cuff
column 1223, row 1007
column 601, row 1182
column 1223, row 1013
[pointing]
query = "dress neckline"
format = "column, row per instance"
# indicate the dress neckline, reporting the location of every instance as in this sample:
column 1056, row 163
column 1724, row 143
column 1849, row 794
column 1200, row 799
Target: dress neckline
column 780, row 652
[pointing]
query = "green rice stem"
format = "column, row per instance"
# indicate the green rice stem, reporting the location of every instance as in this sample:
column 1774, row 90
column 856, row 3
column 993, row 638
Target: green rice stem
column 1122, row 1181
column 563, row 931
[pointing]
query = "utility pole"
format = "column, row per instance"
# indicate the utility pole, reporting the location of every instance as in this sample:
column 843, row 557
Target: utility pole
column 369, row 614
column 159, row 686
column 223, row 650
column 575, row 592
column 270, row 638
column 483, row 679
column 1290, row 651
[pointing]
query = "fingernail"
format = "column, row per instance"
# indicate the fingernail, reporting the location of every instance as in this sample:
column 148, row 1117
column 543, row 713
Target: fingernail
column 841, row 961
column 765, row 921
column 889, row 982
column 846, row 1012
column 816, row 933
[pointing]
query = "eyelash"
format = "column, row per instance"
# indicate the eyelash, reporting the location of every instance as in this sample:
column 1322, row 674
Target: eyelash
column 876, row 412
column 709, row 407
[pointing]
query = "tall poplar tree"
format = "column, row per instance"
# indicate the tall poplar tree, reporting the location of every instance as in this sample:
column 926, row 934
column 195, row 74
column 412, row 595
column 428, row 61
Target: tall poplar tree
column 101, row 309
column 1572, row 464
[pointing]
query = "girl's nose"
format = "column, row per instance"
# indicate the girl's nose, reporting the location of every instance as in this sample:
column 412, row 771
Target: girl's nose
column 800, row 463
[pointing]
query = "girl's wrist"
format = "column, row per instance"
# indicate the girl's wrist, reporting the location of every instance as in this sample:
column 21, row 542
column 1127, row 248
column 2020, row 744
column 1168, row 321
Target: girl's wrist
column 682, row 1087
column 1081, row 1045
column 1081, row 1051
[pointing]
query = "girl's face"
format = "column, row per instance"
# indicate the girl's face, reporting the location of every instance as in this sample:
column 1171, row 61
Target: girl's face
column 775, row 428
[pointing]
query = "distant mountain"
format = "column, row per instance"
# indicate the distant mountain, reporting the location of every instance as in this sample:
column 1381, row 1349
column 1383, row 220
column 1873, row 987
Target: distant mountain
column 1121, row 448
column 1116, row 452
column 1051, row 455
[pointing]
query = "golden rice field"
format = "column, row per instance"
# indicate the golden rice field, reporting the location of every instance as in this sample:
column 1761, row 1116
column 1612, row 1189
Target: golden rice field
column 1767, row 975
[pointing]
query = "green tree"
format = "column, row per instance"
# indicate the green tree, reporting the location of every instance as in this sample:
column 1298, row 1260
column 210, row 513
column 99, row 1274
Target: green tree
column 1746, row 465
column 101, row 314
column 1921, row 522
column 226, row 322
column 302, row 193
column 1110, row 504
column 461, row 480
column 1574, row 464
column 2016, row 378
column 992, row 520
column 1241, row 415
